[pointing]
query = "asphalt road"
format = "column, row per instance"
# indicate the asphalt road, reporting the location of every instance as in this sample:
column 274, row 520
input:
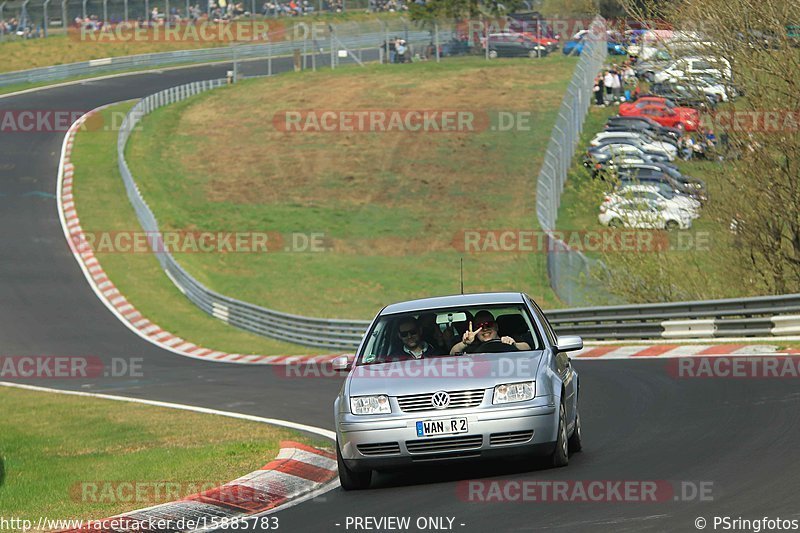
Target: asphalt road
column 735, row 438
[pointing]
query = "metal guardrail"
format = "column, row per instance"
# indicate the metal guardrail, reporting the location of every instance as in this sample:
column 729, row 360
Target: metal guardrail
column 714, row 318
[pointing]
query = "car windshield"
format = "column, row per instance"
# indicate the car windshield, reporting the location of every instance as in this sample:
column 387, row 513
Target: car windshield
column 434, row 332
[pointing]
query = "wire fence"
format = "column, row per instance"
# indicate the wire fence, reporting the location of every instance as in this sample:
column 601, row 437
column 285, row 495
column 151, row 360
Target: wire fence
column 569, row 270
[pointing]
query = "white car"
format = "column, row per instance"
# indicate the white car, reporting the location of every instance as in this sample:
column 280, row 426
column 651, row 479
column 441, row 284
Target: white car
column 652, row 193
column 647, row 143
column 642, row 214
column 694, row 67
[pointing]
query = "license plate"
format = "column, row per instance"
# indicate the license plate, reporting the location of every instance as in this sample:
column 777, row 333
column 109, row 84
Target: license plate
column 449, row 426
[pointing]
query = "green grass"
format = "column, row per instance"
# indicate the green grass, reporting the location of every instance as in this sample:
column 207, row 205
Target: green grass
column 54, row 446
column 389, row 205
column 103, row 205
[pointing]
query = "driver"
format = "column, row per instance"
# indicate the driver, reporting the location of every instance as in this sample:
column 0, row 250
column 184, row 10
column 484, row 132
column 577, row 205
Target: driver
column 487, row 331
column 414, row 345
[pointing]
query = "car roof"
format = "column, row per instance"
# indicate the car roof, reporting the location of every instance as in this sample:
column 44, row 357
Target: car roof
column 456, row 300
column 642, row 188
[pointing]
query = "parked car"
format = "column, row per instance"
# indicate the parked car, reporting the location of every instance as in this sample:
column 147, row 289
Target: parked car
column 519, row 396
column 684, row 95
column 642, row 214
column 654, row 136
column 689, row 67
column 643, row 124
column 647, row 69
column 653, row 173
column 509, row 44
column 662, row 111
column 606, row 157
column 662, row 196
column 575, row 47
column 646, row 142
column 454, row 47
column 721, row 90
column 653, row 151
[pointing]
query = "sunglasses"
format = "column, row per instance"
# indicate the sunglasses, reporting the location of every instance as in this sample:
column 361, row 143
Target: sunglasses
column 408, row 332
column 489, row 324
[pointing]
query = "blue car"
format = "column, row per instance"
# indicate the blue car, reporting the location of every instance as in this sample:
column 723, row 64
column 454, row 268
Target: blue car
column 576, row 47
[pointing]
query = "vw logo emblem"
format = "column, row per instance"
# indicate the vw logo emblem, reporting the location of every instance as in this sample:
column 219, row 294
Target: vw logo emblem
column 440, row 400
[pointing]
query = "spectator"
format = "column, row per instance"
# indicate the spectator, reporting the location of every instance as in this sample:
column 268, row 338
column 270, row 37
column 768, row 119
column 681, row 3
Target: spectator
column 598, row 90
column 608, row 83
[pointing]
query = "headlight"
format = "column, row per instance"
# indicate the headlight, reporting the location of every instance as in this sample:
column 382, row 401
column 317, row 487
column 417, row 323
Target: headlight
column 514, row 392
column 370, row 405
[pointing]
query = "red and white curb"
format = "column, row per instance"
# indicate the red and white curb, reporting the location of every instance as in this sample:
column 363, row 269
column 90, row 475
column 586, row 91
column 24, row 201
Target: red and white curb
column 669, row 351
column 297, row 471
column 116, row 301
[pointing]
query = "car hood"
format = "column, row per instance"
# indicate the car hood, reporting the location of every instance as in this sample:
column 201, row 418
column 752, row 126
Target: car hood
column 418, row 376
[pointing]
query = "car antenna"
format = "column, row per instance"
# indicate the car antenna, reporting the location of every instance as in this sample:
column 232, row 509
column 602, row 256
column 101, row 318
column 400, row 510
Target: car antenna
column 462, row 274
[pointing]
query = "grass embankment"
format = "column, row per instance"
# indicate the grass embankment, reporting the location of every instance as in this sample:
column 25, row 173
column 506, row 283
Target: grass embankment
column 73, row 47
column 392, row 206
column 103, row 206
column 58, row 449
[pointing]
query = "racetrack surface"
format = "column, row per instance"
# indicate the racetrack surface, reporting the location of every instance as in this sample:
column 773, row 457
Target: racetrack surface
column 639, row 422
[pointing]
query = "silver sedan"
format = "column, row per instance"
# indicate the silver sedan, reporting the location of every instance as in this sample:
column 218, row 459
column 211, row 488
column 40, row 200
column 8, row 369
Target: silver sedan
column 456, row 378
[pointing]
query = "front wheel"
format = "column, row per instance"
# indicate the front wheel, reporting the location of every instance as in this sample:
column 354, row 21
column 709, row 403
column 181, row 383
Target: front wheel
column 492, row 54
column 350, row 479
column 672, row 225
column 560, row 456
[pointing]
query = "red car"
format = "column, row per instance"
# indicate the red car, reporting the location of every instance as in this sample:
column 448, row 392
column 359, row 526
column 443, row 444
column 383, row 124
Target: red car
column 662, row 111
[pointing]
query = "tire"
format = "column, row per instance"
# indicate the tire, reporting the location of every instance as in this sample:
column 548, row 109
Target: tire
column 615, row 223
column 492, row 54
column 349, row 479
column 533, row 54
column 671, row 225
column 560, row 455
column 575, row 441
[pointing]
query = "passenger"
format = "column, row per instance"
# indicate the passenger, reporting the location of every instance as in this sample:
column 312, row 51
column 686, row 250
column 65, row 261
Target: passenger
column 431, row 332
column 414, row 345
column 487, row 331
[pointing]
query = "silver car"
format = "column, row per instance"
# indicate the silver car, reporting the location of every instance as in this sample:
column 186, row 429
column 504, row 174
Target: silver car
column 417, row 393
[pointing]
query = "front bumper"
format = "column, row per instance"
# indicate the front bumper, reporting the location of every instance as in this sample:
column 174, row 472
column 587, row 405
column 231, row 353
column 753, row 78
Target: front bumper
column 392, row 442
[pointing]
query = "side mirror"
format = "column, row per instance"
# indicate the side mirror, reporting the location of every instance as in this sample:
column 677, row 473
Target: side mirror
column 569, row 343
column 341, row 364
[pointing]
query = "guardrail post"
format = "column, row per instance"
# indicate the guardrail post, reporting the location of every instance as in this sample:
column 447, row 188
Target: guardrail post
column 46, row 21
column 125, row 10
column 436, row 40
column 105, row 12
column 83, row 10
column 147, row 10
